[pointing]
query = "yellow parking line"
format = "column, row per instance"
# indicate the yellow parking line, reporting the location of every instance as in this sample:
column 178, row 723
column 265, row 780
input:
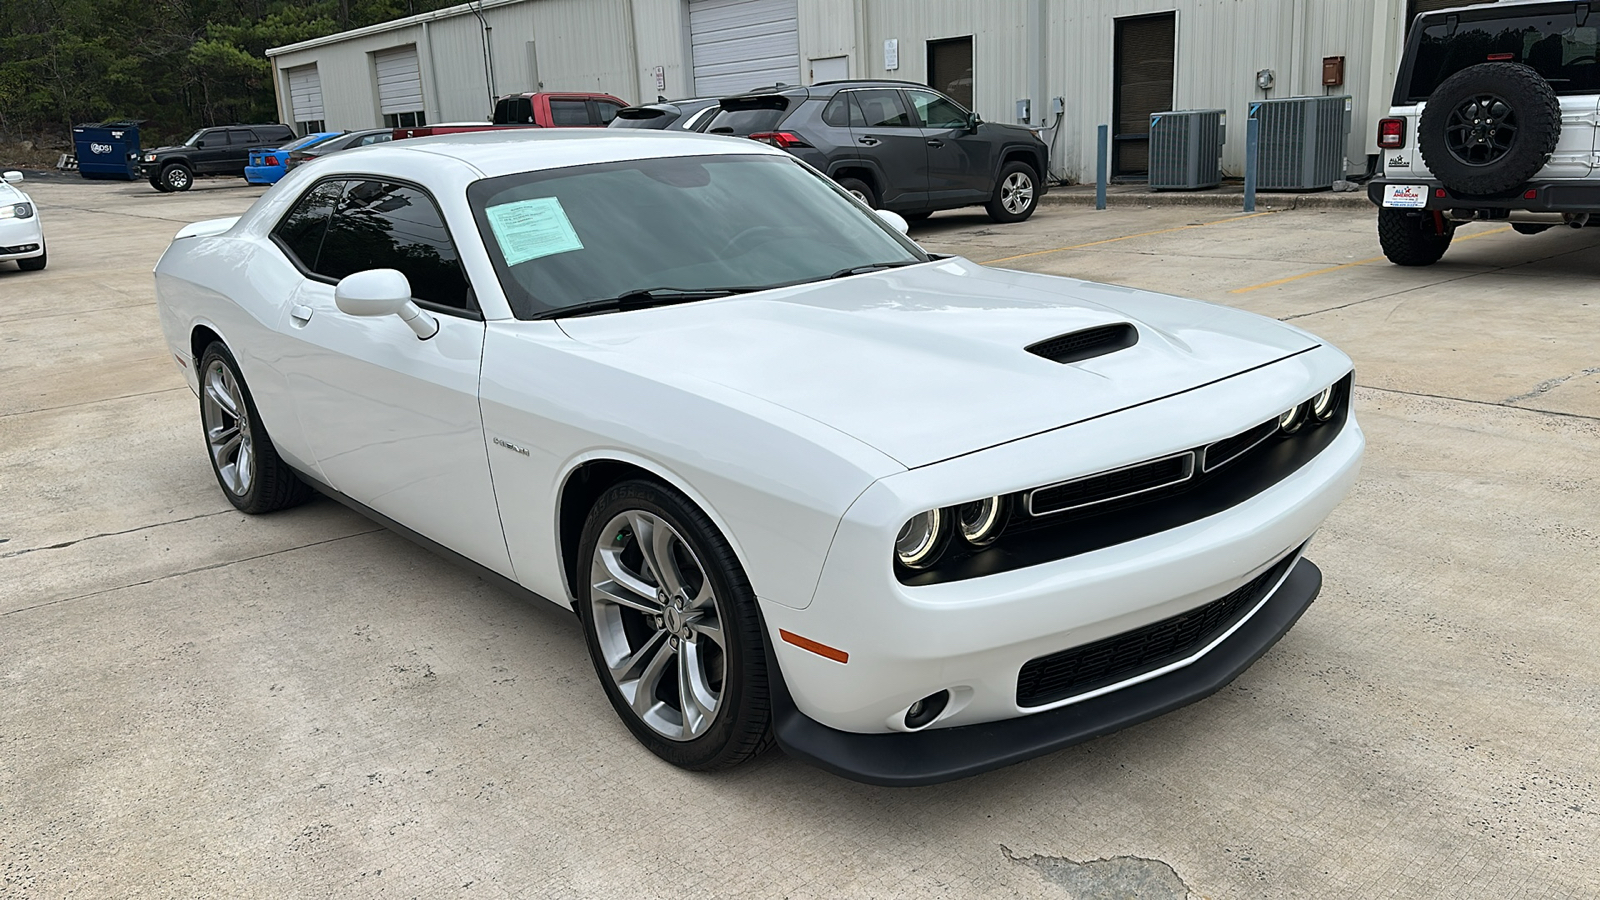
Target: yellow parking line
column 1359, row 262
column 1126, row 237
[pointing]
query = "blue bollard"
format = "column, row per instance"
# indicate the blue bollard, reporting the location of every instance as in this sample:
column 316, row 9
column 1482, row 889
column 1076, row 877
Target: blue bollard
column 1100, row 167
column 1252, row 141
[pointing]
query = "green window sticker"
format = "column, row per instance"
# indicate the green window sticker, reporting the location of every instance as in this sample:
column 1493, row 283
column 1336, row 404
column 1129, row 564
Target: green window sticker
column 530, row 229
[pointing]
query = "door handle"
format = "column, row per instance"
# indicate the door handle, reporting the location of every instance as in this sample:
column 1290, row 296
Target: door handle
column 934, row 143
column 869, row 142
column 300, row 313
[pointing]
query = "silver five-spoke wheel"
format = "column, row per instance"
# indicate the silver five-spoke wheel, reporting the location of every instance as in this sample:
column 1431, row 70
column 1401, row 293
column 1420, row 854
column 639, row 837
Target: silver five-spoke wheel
column 657, row 623
column 1016, row 193
column 227, row 427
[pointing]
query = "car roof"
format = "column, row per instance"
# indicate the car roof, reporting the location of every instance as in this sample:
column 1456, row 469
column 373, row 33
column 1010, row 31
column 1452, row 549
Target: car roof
column 495, row 153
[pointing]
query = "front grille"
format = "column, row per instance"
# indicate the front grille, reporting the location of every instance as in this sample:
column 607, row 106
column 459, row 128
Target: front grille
column 1122, row 656
column 1224, row 451
column 1086, row 344
column 1124, row 482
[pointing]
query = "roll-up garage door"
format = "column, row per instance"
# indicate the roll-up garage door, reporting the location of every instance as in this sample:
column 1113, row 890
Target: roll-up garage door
column 399, row 80
column 305, row 93
column 743, row 44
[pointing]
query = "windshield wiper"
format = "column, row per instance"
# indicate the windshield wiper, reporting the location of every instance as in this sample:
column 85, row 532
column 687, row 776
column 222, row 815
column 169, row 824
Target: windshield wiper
column 873, row 267
column 643, row 299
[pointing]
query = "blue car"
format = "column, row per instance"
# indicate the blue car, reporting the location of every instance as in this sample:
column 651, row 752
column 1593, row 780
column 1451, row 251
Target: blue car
column 268, row 165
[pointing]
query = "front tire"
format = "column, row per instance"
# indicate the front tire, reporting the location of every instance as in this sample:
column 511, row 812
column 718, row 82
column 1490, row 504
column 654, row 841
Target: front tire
column 35, row 263
column 248, row 469
column 672, row 628
column 1414, row 239
column 1016, row 194
column 177, row 177
column 861, row 191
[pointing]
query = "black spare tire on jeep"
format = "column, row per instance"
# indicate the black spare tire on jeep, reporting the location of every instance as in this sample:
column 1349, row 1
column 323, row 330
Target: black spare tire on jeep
column 1488, row 128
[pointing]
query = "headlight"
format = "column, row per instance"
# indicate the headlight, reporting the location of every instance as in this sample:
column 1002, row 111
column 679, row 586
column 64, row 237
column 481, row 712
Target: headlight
column 1324, row 404
column 920, row 540
column 1290, row 422
column 981, row 521
column 19, row 211
column 149, row 157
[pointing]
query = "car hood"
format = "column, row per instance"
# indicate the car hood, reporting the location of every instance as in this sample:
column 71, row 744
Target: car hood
column 10, row 195
column 927, row 362
column 167, row 149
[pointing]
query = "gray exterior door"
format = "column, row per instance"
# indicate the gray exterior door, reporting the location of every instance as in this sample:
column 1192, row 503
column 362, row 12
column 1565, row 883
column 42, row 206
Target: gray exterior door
column 890, row 135
column 1142, row 76
column 743, row 44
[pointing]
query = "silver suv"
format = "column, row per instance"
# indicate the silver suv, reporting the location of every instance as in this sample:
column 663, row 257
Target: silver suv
column 1495, row 116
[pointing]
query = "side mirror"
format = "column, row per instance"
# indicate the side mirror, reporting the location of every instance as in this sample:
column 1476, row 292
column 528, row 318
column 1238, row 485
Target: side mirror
column 973, row 121
column 11, row 177
column 383, row 292
column 894, row 220
column 200, row 143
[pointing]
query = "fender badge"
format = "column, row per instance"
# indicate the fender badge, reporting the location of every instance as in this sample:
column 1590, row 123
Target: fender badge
column 512, row 447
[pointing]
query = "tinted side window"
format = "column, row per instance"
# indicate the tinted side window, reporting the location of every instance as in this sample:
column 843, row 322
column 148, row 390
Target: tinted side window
column 747, row 116
column 300, row 233
column 382, row 225
column 569, row 112
column 513, row 111
column 842, row 111
column 607, row 111
column 242, row 137
column 936, row 111
column 883, row 109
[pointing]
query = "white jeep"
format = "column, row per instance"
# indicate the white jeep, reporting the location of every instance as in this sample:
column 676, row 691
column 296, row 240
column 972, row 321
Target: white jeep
column 1495, row 117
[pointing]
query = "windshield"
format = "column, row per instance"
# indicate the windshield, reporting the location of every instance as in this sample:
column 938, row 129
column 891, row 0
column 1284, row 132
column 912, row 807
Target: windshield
column 563, row 237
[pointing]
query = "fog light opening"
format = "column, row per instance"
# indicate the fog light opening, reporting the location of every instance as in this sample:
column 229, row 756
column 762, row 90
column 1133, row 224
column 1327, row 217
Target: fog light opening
column 927, row 709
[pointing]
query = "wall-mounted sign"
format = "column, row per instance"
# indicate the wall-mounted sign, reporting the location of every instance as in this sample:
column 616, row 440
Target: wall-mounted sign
column 891, row 54
column 661, row 77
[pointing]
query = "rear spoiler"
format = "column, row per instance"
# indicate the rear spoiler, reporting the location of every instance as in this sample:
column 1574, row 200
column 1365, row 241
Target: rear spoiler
column 208, row 228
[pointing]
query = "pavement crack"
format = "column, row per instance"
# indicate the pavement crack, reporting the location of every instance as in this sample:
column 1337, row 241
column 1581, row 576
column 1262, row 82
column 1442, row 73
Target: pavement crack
column 206, row 568
column 105, row 534
column 1545, row 386
column 1498, row 404
column 1130, row 877
column 45, row 409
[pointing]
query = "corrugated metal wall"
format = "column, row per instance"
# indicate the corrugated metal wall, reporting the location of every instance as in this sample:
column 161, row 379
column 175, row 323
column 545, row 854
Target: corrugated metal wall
column 1034, row 49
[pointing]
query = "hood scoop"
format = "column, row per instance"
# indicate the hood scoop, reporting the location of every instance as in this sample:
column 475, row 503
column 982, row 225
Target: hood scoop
column 1078, row 346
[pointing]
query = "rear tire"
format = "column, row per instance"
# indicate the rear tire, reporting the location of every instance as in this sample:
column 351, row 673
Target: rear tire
column 1413, row 239
column 680, row 655
column 1488, row 128
column 916, row 216
column 34, row 264
column 861, row 191
column 248, row 469
column 1529, row 228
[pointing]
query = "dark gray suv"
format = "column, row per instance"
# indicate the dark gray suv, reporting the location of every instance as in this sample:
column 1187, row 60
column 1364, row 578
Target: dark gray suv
column 897, row 145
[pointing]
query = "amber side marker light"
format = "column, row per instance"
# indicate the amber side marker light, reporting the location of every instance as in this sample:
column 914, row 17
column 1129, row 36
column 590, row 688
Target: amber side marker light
column 838, row 656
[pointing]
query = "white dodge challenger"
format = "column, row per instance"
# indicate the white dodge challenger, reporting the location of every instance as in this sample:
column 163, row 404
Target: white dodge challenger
column 906, row 516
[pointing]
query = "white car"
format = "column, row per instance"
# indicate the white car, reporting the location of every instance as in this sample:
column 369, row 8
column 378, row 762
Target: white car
column 910, row 517
column 21, row 234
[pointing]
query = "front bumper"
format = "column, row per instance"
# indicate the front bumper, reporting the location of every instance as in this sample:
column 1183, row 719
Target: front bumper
column 938, row 755
column 21, row 238
column 1542, row 196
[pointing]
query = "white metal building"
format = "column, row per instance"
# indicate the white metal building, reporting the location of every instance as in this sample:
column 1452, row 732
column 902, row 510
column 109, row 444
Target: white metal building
column 1111, row 61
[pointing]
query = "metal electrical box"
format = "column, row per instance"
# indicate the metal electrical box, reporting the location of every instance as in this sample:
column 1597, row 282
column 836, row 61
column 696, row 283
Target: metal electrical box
column 1186, row 149
column 1302, row 142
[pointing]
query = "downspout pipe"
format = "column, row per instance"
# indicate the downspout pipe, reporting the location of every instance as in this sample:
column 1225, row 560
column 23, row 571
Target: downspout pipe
column 488, row 55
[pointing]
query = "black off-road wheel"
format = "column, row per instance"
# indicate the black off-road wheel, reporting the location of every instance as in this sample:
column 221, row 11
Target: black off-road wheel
column 1489, row 128
column 177, row 177
column 1414, row 238
column 1016, row 194
column 672, row 628
column 248, row 468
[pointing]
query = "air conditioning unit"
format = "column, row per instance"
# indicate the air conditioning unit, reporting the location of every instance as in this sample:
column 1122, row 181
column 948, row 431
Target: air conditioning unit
column 1186, row 149
column 1302, row 142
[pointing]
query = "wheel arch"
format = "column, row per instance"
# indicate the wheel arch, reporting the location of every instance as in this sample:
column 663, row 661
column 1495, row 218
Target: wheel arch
column 862, row 169
column 1024, row 155
column 201, row 336
column 591, row 475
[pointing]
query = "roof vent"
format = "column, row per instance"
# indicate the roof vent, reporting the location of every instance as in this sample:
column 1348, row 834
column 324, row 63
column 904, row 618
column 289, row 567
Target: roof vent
column 1087, row 344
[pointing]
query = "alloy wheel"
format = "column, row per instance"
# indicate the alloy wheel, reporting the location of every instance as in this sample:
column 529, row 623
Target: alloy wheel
column 658, row 625
column 1016, row 193
column 1480, row 130
column 227, row 427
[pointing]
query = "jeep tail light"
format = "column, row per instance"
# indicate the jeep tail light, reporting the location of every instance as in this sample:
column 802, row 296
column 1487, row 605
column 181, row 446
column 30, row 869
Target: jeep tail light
column 780, row 139
column 1391, row 133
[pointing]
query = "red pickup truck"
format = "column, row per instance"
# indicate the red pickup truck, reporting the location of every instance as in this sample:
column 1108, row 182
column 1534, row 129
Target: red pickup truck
column 540, row 110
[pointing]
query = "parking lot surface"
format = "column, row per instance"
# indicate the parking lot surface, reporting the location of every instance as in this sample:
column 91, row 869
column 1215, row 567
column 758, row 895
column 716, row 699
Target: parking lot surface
column 198, row 703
